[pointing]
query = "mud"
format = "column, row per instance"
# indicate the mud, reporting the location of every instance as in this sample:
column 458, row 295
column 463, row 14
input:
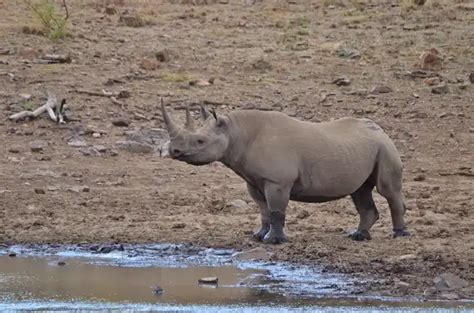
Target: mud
column 83, row 186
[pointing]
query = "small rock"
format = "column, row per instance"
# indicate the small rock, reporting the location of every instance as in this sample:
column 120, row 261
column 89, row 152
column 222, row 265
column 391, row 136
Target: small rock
column 419, row 2
column 449, row 296
column 110, row 10
column 342, row 81
column 38, row 146
column 39, row 191
column 178, row 226
column 441, row 89
column 28, row 53
column 381, row 89
column 402, row 284
column 12, row 254
column 419, row 177
column 432, row 81
column 78, row 189
column 157, row 290
column 96, row 135
column 43, row 158
column 449, row 281
column 255, row 280
column 25, row 96
column 253, row 254
column 149, row 64
column 431, row 60
column 121, row 122
column 14, row 150
column 77, row 143
column 100, row 148
column 61, row 263
column 347, row 53
column 163, row 55
column 208, row 280
column 471, row 77
column 237, row 204
column 302, row 215
column 165, row 149
column 262, row 65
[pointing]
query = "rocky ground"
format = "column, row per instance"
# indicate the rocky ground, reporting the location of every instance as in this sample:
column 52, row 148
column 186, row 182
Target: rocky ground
column 99, row 178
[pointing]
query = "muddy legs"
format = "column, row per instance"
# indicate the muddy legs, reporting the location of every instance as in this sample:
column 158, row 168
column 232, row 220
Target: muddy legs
column 272, row 206
column 264, row 213
column 368, row 212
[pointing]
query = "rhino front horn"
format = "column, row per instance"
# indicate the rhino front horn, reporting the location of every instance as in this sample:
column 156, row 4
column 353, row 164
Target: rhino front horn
column 170, row 125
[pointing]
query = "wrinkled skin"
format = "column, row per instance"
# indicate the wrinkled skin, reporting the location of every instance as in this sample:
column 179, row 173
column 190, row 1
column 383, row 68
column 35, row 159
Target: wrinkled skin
column 283, row 159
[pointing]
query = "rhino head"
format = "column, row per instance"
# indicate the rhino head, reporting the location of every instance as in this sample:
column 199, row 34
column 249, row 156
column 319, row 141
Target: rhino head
column 200, row 146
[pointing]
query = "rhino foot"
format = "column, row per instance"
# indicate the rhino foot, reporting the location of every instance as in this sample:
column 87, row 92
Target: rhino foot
column 275, row 239
column 360, row 235
column 258, row 236
column 400, row 233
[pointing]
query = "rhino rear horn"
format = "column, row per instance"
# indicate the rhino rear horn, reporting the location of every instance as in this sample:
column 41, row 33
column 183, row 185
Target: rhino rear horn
column 170, row 125
column 205, row 114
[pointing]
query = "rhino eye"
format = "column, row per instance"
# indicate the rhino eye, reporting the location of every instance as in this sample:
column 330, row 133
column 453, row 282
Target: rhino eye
column 200, row 142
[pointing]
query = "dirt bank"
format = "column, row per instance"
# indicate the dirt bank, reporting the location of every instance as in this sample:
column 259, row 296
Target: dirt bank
column 277, row 55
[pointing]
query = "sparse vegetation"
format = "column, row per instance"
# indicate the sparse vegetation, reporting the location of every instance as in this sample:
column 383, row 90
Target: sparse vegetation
column 54, row 24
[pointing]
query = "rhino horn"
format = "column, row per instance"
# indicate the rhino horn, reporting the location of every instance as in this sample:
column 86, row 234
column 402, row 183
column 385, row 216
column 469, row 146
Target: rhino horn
column 205, row 114
column 170, row 125
column 189, row 120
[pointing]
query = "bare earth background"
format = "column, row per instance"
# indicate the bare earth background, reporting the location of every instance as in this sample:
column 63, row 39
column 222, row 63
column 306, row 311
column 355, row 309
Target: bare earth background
column 280, row 55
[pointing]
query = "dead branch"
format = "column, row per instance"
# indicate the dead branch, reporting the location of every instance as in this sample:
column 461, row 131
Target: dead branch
column 55, row 110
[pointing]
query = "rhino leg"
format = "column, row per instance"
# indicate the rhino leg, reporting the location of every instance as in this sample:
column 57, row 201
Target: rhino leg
column 277, row 200
column 368, row 212
column 259, row 198
column 397, row 210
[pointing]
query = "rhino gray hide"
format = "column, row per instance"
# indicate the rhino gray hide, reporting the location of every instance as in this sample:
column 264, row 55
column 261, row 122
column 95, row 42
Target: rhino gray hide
column 282, row 159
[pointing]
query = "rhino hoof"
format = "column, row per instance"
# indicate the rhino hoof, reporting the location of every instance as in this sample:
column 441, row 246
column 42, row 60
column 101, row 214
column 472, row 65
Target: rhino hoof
column 275, row 240
column 360, row 235
column 260, row 235
column 400, row 233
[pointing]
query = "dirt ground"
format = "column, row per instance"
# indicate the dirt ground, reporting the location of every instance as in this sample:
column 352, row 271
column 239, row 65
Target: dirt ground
column 271, row 55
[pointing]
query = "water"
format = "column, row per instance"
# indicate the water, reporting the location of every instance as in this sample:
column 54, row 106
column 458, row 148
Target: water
column 125, row 278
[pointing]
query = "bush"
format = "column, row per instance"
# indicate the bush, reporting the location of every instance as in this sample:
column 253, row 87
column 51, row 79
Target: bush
column 54, row 24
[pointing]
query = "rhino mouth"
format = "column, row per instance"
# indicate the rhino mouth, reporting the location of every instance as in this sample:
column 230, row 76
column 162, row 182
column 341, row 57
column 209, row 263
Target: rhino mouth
column 189, row 158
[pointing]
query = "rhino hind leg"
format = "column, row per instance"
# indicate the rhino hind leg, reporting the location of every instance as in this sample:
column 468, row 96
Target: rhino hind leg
column 277, row 197
column 259, row 198
column 368, row 212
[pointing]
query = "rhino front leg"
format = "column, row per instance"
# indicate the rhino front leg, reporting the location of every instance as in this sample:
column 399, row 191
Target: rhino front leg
column 259, row 198
column 277, row 200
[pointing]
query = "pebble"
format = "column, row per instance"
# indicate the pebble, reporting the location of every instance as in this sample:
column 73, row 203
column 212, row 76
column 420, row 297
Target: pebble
column 14, row 150
column 381, row 89
column 38, row 146
column 431, row 60
column 419, row 177
column 449, row 281
column 39, row 191
column 237, row 204
column 302, row 215
column 12, row 254
column 471, row 77
column 61, row 263
column 149, row 64
column 157, row 290
column 135, row 147
column 440, row 89
column 178, row 226
column 121, row 122
column 342, row 81
column 208, row 280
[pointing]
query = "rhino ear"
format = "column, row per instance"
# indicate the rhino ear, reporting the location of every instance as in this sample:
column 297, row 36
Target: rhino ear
column 205, row 114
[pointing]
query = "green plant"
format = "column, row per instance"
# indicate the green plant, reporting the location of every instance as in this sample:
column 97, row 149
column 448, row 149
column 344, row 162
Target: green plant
column 54, row 23
column 28, row 105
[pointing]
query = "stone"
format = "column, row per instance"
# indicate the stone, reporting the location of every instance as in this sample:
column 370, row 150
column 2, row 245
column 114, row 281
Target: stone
column 121, row 122
column 255, row 280
column 78, row 189
column 253, row 254
column 61, row 263
column 165, row 149
column 38, row 146
column 149, row 64
column 100, row 148
column 208, row 280
column 237, row 204
column 39, row 191
column 110, row 11
column 178, row 226
column 302, row 215
column 471, row 77
column 432, row 81
column 381, row 89
column 347, row 53
column 77, row 143
column 157, row 290
column 419, row 177
column 14, row 150
column 163, row 55
column 440, row 89
column 449, row 281
column 28, row 53
column 12, row 254
column 262, row 65
column 96, row 135
column 431, row 60
column 342, row 81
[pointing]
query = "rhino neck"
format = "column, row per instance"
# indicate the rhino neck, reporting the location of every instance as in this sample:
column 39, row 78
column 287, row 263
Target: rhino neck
column 240, row 138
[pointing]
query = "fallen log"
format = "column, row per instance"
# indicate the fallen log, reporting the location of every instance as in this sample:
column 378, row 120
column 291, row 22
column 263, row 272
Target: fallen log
column 54, row 108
